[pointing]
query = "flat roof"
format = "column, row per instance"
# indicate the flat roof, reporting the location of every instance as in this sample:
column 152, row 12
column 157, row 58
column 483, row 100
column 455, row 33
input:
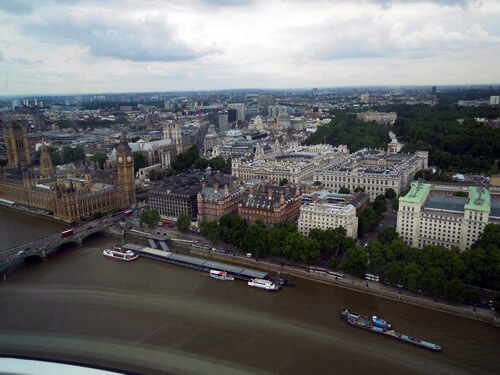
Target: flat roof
column 446, row 203
column 417, row 193
column 197, row 261
column 495, row 209
column 479, row 199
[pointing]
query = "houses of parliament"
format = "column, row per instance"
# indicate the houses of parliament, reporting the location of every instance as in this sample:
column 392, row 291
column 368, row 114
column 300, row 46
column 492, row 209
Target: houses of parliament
column 68, row 196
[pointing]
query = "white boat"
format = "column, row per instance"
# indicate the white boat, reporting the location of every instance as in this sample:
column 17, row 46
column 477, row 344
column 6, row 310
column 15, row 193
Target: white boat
column 221, row 275
column 263, row 284
column 117, row 253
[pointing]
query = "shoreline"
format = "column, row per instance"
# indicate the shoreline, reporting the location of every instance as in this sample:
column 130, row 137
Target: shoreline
column 351, row 285
column 27, row 211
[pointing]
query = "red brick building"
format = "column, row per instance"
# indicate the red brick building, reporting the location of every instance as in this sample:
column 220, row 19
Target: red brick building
column 216, row 201
column 270, row 203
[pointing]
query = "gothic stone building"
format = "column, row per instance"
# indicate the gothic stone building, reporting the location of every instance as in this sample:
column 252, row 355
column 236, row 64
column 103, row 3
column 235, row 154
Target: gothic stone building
column 68, row 197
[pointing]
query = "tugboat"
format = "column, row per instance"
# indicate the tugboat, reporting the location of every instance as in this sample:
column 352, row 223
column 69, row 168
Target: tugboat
column 263, row 284
column 368, row 324
column 117, row 253
column 221, row 275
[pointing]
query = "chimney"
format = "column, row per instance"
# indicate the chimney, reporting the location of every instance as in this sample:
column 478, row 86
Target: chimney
column 216, row 187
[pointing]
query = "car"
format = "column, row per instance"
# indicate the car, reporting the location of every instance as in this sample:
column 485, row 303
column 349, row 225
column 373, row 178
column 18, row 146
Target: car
column 21, row 252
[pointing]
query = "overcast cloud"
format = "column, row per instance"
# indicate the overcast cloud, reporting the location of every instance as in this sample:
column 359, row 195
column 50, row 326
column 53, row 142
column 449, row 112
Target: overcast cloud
column 78, row 46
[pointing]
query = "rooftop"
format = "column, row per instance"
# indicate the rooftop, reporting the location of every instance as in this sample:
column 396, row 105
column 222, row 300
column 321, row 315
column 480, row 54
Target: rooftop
column 417, row 193
column 479, row 199
column 446, row 203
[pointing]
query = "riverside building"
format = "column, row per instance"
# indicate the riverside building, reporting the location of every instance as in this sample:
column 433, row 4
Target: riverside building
column 428, row 215
column 325, row 210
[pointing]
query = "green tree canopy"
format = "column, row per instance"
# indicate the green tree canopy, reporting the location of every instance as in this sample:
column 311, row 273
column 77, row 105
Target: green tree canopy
column 100, row 158
column 283, row 182
column 73, row 154
column 355, row 261
column 183, row 222
column 140, row 160
column 151, row 218
column 344, row 190
column 390, row 193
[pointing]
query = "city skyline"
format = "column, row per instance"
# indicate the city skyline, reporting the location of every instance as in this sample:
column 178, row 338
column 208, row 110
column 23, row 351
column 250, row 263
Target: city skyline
column 82, row 46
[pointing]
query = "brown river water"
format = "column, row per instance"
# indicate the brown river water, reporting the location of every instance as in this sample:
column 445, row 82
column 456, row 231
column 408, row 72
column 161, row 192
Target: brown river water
column 153, row 317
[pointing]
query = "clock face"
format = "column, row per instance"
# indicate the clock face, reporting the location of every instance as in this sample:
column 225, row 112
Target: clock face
column 120, row 159
column 129, row 158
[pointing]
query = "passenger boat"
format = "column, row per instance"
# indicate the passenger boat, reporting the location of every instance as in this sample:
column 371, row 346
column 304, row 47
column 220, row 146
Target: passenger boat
column 221, row 275
column 367, row 324
column 118, row 253
column 263, row 284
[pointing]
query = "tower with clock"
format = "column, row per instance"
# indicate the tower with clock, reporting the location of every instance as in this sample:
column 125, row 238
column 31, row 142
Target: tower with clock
column 126, row 179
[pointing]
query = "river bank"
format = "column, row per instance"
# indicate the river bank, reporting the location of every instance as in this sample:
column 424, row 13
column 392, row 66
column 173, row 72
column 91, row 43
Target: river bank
column 362, row 286
column 29, row 211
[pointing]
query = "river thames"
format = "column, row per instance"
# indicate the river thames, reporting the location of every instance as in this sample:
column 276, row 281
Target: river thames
column 154, row 317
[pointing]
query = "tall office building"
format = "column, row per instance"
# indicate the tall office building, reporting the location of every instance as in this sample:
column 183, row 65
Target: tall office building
column 240, row 109
column 265, row 101
column 495, row 100
column 223, row 121
column 365, row 98
column 433, row 215
column 232, row 115
column 433, row 90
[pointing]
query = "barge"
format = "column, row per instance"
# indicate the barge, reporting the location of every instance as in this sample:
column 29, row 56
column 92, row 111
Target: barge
column 368, row 324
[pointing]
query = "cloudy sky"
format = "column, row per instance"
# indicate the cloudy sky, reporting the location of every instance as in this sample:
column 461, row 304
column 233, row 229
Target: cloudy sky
column 82, row 46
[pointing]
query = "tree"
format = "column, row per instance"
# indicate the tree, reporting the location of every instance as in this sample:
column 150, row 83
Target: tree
column 390, row 193
column 395, row 204
column 317, row 183
column 255, row 239
column 380, row 205
column 283, row 182
column 183, row 222
column 344, row 190
column 355, row 261
column 73, row 154
column 387, row 235
column 359, row 189
column 100, row 158
column 97, row 215
column 367, row 220
column 151, row 218
column 332, row 263
column 140, row 160
column 3, row 162
column 211, row 230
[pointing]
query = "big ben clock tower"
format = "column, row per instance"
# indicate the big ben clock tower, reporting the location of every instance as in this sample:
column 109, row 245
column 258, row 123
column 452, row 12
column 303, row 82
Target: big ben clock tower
column 126, row 179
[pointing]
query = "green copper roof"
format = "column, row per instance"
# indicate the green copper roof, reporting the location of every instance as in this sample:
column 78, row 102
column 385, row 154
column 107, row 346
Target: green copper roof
column 479, row 199
column 417, row 193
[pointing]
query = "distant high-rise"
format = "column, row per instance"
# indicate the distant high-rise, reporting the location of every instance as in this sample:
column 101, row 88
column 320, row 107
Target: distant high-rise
column 240, row 108
column 15, row 103
column 223, row 121
column 315, row 91
column 365, row 98
column 495, row 100
column 232, row 115
column 433, row 90
column 265, row 101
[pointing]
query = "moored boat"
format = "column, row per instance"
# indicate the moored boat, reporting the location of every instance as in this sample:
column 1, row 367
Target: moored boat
column 263, row 284
column 118, row 253
column 367, row 324
column 221, row 275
